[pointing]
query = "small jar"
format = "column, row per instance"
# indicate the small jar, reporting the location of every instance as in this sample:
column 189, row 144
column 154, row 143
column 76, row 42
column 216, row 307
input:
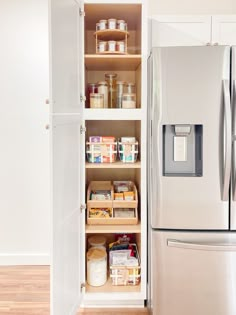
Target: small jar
column 120, row 47
column 102, row 25
column 97, row 241
column 97, row 26
column 112, row 24
column 102, row 47
column 96, row 100
column 121, row 25
column 103, row 89
column 111, row 46
column 96, row 266
column 129, row 100
column 111, row 82
column 120, row 86
column 131, row 88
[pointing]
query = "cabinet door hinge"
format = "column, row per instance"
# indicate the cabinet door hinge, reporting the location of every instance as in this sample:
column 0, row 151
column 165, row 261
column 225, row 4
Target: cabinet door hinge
column 82, row 98
column 82, row 130
column 81, row 12
column 82, row 207
column 82, row 285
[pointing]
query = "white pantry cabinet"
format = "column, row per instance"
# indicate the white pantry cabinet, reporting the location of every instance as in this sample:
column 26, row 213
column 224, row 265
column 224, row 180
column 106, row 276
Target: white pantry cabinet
column 74, row 64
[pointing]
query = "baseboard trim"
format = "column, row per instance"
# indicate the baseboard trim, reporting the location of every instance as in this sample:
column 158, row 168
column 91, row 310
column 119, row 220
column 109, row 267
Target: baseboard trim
column 24, row 259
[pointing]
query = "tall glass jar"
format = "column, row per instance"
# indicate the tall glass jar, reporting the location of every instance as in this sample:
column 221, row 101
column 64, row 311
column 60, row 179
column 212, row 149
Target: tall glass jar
column 96, row 266
column 120, row 86
column 131, row 88
column 103, row 89
column 91, row 88
column 111, row 82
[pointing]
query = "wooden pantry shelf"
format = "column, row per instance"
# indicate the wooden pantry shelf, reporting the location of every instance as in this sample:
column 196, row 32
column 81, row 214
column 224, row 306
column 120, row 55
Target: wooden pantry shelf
column 113, row 114
column 118, row 164
column 109, row 34
column 113, row 228
column 112, row 62
column 109, row 288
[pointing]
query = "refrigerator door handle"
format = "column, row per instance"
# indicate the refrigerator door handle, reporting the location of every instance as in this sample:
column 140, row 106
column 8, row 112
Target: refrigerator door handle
column 234, row 138
column 227, row 137
column 202, row 246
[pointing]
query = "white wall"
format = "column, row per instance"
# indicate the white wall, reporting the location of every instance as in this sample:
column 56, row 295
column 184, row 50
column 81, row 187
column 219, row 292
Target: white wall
column 24, row 154
column 191, row 7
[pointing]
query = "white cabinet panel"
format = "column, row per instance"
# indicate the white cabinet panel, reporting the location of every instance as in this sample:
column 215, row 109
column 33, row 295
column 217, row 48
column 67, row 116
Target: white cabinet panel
column 224, row 29
column 64, row 51
column 180, row 30
column 66, row 261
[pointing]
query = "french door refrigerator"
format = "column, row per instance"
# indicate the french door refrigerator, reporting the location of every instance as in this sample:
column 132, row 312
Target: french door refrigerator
column 192, row 207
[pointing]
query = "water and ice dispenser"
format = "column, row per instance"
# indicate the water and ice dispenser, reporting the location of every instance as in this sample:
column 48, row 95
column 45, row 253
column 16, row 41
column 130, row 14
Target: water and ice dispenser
column 182, row 150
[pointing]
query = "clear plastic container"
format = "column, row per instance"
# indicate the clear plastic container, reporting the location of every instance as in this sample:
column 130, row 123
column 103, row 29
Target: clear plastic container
column 103, row 89
column 102, row 47
column 111, row 82
column 121, row 25
column 96, row 266
column 112, row 24
column 96, row 100
column 129, row 100
column 120, row 47
column 120, row 88
column 102, row 25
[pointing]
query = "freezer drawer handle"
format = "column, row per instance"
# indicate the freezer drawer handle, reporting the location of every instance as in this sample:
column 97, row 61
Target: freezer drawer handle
column 201, row 246
column 227, row 159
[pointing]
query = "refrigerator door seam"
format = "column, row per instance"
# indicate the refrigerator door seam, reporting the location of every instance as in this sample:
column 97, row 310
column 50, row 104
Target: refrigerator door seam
column 201, row 246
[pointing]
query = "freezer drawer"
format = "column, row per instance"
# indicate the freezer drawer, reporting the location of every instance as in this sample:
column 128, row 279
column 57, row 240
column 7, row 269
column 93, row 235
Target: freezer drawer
column 193, row 273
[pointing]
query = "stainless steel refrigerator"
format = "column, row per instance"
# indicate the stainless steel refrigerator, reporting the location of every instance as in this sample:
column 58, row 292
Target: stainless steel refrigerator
column 192, row 182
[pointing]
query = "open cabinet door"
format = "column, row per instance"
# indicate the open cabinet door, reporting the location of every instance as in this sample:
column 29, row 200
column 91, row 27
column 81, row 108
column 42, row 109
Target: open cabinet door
column 65, row 87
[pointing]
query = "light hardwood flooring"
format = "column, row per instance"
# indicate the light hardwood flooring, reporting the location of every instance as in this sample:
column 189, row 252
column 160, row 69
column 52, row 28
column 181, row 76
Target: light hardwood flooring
column 25, row 290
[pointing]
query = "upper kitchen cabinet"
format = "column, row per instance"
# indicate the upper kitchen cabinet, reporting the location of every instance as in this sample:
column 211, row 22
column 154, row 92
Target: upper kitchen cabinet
column 224, row 29
column 179, row 30
column 114, row 44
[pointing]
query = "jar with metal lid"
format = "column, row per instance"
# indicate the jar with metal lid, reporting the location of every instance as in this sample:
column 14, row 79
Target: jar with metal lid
column 111, row 24
column 96, row 266
column 96, row 100
column 131, row 87
column 97, row 241
column 103, row 89
column 121, row 25
column 129, row 100
column 111, row 46
column 120, row 87
column 111, row 81
column 120, row 47
column 102, row 46
column 102, row 25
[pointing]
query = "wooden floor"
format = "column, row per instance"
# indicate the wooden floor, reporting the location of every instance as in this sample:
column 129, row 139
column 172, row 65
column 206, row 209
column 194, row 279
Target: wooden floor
column 25, row 290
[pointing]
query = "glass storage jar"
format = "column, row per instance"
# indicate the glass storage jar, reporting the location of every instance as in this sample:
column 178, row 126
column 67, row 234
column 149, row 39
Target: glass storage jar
column 120, row 86
column 129, row 100
column 131, row 87
column 96, row 266
column 103, row 89
column 97, row 241
column 102, row 25
column 111, row 82
column 111, row 24
column 91, row 88
column 96, row 100
column 102, row 47
column 121, row 25
column 120, row 47
column 111, row 46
